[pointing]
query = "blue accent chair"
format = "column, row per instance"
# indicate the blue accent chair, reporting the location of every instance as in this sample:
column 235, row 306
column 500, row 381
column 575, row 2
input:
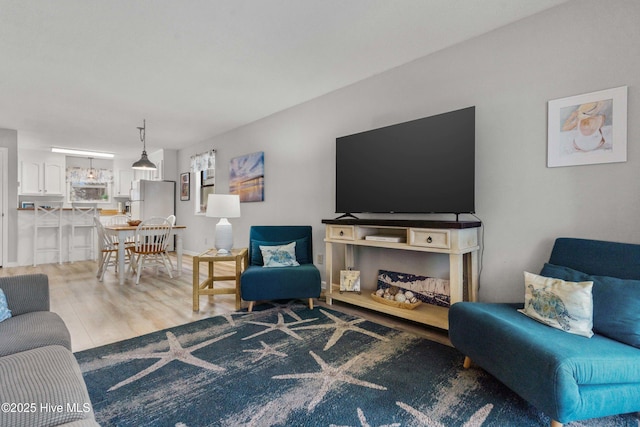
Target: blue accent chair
column 259, row 283
column 566, row 376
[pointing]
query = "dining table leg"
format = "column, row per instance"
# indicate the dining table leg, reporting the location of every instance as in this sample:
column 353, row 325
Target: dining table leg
column 121, row 247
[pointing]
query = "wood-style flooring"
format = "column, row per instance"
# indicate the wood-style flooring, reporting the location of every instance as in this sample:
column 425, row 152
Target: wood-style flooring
column 99, row 313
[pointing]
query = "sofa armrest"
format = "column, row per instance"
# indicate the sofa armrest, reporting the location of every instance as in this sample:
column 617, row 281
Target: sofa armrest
column 26, row 293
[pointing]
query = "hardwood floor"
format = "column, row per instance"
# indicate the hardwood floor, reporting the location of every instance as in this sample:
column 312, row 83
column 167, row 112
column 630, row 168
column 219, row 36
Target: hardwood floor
column 99, row 313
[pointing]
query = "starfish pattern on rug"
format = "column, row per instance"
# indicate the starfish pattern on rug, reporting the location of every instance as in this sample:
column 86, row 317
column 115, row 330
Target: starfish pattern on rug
column 266, row 350
column 176, row 352
column 476, row 419
column 341, row 327
column 229, row 318
column 279, row 326
column 365, row 423
column 329, row 377
column 286, row 308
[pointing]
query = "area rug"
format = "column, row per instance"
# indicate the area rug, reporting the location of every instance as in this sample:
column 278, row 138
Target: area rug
column 286, row 365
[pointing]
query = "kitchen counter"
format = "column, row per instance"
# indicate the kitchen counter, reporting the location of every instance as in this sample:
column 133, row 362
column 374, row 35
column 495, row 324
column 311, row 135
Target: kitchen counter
column 48, row 239
column 103, row 212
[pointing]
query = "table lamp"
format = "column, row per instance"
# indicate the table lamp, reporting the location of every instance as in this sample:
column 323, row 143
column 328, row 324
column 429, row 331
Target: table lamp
column 223, row 206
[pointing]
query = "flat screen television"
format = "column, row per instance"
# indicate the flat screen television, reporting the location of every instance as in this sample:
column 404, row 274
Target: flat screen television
column 421, row 166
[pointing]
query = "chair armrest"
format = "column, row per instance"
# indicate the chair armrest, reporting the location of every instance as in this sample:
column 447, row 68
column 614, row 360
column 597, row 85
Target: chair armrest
column 26, row 293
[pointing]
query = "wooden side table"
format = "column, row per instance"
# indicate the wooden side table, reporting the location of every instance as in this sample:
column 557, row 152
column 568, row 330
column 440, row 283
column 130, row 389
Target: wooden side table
column 206, row 287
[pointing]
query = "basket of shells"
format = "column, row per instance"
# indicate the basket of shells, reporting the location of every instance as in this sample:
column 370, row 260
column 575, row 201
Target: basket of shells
column 396, row 297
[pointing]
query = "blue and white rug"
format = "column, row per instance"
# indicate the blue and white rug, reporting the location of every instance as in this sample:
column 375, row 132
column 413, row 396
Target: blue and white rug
column 286, row 365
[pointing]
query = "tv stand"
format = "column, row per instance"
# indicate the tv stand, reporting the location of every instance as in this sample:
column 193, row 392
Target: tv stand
column 458, row 239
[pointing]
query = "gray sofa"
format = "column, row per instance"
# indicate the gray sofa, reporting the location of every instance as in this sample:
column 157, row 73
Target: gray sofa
column 40, row 380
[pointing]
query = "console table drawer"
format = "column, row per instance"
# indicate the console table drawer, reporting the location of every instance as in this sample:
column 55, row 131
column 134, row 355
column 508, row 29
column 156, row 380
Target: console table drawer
column 428, row 238
column 341, row 232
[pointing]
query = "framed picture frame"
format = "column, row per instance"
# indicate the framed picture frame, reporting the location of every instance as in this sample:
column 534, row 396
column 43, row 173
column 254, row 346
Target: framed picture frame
column 185, row 190
column 246, row 177
column 27, row 205
column 588, row 129
column 349, row 281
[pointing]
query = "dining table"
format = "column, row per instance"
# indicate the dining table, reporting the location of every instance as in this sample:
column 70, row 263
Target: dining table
column 125, row 231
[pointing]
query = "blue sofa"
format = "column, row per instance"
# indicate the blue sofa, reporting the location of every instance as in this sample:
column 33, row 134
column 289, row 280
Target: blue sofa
column 258, row 283
column 568, row 377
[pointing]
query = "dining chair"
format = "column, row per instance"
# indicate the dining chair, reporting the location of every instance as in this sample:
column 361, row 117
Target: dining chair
column 149, row 247
column 108, row 248
column 118, row 220
column 172, row 221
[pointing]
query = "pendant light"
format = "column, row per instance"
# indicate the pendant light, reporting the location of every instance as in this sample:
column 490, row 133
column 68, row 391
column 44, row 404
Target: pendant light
column 91, row 175
column 144, row 163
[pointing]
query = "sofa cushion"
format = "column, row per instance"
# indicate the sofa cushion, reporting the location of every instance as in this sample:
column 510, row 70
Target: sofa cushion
column 26, row 293
column 5, row 313
column 302, row 249
column 258, row 283
column 32, row 330
column 560, row 304
column 279, row 256
column 44, row 376
column 615, row 303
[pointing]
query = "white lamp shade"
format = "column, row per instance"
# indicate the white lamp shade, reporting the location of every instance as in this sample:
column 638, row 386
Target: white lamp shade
column 223, row 205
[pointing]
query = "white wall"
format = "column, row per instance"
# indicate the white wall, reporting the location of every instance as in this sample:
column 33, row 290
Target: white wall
column 509, row 75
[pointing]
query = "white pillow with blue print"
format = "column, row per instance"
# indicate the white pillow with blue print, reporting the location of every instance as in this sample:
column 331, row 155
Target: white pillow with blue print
column 279, row 256
column 564, row 305
column 5, row 313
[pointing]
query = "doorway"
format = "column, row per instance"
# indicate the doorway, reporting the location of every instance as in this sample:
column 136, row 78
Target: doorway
column 4, row 189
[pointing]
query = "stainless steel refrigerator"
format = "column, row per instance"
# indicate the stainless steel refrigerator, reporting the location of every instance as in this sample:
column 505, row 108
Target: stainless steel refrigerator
column 152, row 198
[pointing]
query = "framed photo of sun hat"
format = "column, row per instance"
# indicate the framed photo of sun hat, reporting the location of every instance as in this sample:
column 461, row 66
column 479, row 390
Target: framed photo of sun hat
column 588, row 129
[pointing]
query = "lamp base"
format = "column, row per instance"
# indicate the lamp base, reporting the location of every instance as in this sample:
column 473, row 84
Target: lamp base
column 224, row 237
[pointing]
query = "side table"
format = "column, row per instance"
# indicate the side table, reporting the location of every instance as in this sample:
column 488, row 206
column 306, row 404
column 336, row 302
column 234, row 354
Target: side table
column 206, row 287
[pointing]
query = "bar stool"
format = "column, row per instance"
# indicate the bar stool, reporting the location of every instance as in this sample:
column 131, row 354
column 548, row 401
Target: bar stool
column 47, row 216
column 82, row 219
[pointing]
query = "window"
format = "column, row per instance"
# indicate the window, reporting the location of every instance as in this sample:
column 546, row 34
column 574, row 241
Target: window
column 203, row 168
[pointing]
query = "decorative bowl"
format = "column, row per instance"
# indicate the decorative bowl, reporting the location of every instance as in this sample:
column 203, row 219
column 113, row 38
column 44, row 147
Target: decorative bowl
column 134, row 222
column 392, row 303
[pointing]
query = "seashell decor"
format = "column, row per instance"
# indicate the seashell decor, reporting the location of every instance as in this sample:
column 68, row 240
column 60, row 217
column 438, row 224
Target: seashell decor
column 397, row 297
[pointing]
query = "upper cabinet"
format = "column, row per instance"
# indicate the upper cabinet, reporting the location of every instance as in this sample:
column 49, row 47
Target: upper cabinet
column 123, row 178
column 41, row 173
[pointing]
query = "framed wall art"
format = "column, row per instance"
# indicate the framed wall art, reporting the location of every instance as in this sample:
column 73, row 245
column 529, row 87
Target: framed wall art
column 246, row 177
column 349, row 281
column 185, row 190
column 588, row 129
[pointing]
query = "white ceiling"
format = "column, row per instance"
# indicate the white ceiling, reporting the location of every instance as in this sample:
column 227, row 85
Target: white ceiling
column 84, row 73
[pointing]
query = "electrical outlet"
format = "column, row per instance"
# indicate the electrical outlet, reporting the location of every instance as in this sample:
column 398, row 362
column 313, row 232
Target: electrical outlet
column 319, row 258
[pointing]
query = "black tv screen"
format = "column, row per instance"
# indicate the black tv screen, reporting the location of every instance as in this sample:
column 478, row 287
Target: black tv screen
column 422, row 166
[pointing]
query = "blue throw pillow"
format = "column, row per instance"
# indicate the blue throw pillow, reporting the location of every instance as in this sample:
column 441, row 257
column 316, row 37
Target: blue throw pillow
column 302, row 248
column 5, row 313
column 616, row 303
column 279, row 256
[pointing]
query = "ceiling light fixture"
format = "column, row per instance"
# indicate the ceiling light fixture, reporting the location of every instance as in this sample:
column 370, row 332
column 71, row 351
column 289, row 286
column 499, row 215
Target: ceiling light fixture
column 81, row 153
column 91, row 175
column 144, row 163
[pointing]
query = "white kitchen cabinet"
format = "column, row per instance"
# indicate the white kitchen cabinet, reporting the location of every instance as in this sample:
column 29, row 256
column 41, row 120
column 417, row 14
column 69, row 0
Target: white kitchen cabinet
column 41, row 174
column 123, row 182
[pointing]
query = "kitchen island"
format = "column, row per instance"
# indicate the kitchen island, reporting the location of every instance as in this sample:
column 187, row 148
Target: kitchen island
column 48, row 239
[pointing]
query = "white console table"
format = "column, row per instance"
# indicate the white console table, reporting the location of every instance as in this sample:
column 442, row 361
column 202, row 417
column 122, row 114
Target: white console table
column 458, row 239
